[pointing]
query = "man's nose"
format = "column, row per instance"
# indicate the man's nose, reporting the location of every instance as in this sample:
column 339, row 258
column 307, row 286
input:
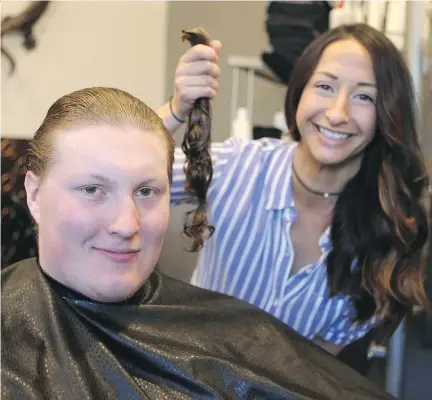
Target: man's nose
column 126, row 219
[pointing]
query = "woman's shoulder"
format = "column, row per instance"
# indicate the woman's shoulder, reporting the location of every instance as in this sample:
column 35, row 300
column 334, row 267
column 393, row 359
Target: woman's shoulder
column 240, row 160
column 242, row 152
column 262, row 145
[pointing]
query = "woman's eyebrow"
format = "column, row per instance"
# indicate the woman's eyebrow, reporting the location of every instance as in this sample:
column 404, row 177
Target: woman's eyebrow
column 334, row 77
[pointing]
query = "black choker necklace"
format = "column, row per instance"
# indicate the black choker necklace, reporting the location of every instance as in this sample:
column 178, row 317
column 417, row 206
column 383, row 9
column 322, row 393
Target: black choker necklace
column 316, row 192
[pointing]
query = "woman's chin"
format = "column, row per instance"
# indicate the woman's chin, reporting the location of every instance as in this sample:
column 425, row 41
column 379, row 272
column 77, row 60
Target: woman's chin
column 325, row 159
column 336, row 158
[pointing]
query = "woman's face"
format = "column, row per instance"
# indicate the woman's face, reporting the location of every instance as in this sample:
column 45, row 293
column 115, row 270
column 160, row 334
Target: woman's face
column 102, row 209
column 336, row 116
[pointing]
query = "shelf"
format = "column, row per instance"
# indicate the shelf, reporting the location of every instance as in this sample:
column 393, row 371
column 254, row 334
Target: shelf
column 254, row 64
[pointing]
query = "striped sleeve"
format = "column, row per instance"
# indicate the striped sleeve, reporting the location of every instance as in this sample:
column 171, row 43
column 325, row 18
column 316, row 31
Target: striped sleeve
column 344, row 331
column 221, row 154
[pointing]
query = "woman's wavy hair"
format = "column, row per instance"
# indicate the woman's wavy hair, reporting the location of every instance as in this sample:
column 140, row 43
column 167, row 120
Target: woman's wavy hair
column 378, row 221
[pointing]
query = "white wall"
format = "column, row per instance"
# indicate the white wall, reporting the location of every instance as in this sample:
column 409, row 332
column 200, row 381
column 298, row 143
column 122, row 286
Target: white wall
column 81, row 44
column 396, row 15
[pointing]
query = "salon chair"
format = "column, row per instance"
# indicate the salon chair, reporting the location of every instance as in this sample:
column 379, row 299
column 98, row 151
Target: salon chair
column 360, row 354
column 427, row 317
column 355, row 355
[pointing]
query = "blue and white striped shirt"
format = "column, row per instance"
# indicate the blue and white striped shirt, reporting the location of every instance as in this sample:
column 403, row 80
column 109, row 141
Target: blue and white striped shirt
column 251, row 206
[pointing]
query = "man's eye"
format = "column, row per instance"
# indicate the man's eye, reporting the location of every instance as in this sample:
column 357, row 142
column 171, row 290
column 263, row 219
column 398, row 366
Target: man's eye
column 146, row 192
column 92, row 190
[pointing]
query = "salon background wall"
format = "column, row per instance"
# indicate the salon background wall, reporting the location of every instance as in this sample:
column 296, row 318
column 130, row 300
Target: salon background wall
column 80, row 44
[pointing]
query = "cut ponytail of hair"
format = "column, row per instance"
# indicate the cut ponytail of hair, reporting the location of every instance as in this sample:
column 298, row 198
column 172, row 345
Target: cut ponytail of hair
column 198, row 167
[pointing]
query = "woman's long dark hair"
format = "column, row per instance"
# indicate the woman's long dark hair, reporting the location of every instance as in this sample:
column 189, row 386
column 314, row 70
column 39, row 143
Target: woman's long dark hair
column 198, row 167
column 378, row 221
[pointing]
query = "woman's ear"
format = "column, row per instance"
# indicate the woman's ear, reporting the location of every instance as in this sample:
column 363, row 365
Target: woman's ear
column 32, row 185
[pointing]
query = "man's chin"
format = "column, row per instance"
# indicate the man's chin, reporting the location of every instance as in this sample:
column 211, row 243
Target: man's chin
column 113, row 295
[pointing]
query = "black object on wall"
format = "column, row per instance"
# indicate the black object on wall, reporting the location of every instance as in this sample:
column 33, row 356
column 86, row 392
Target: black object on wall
column 291, row 26
column 260, row 132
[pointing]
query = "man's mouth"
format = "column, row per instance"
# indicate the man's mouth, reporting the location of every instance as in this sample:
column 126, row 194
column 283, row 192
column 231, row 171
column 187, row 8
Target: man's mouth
column 121, row 251
column 119, row 255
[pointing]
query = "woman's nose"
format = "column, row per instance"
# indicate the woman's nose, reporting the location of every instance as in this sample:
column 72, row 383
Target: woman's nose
column 338, row 112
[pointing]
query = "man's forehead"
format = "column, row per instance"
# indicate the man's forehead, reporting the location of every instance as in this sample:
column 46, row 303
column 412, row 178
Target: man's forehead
column 103, row 143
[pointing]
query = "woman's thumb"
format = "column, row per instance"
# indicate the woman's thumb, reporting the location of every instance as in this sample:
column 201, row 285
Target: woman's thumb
column 216, row 45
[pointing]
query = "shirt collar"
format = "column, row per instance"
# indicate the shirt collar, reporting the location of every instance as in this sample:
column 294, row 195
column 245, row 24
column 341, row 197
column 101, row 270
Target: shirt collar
column 280, row 189
column 324, row 242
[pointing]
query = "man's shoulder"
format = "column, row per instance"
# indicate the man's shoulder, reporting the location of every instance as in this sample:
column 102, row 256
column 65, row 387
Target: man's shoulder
column 13, row 276
column 19, row 286
column 223, row 307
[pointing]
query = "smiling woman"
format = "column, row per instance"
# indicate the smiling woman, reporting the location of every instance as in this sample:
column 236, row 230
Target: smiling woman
column 326, row 233
column 352, row 110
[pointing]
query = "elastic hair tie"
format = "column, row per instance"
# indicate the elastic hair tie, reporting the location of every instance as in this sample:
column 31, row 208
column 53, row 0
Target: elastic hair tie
column 172, row 112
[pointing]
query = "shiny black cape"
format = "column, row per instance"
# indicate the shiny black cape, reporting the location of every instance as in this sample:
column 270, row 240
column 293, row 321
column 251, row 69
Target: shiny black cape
column 170, row 341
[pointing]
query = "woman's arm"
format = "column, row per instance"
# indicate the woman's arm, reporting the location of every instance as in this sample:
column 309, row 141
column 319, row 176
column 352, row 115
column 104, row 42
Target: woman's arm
column 329, row 347
column 344, row 331
column 197, row 75
column 170, row 122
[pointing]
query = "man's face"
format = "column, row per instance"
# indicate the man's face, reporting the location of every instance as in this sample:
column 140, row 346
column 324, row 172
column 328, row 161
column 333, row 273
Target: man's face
column 102, row 209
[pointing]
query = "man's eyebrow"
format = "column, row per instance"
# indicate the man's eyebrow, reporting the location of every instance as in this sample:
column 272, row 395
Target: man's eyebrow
column 100, row 177
column 145, row 181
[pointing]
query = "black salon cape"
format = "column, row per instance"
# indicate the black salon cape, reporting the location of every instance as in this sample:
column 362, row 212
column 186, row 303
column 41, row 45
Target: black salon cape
column 170, row 341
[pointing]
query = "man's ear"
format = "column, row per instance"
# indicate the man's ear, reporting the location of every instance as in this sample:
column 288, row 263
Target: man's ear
column 32, row 185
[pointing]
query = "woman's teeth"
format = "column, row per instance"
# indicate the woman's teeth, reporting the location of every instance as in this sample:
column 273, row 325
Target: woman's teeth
column 333, row 135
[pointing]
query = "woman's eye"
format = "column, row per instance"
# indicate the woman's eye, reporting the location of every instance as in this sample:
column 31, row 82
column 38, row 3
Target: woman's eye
column 325, row 87
column 365, row 97
column 146, row 192
column 92, row 190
